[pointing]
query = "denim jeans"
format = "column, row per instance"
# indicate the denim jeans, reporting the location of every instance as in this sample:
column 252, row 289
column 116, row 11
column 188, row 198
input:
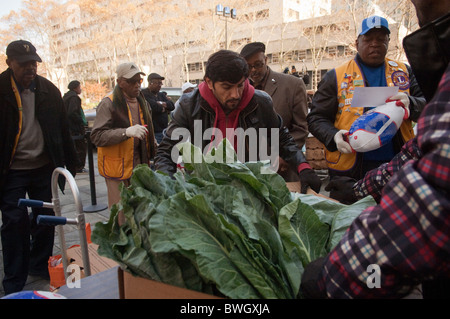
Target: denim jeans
column 159, row 136
column 26, row 245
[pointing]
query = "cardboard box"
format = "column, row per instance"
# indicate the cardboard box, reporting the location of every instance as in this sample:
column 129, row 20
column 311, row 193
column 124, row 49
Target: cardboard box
column 131, row 287
column 75, row 257
column 98, row 263
column 294, row 187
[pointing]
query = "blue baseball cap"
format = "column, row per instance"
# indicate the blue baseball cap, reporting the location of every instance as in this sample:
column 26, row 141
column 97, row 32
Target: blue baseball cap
column 373, row 22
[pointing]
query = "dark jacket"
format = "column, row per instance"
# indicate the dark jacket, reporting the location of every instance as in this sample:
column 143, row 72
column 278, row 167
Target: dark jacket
column 428, row 52
column 51, row 114
column 258, row 114
column 159, row 115
column 73, row 108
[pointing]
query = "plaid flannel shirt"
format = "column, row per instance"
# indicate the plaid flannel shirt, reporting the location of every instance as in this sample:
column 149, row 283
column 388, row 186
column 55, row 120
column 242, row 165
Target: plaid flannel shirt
column 374, row 180
column 407, row 235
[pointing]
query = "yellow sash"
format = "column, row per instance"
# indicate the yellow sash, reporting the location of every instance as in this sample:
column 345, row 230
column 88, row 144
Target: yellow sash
column 348, row 77
column 19, row 105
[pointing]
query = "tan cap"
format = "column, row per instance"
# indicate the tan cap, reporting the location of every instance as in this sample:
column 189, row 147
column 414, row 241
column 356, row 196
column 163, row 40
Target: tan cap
column 128, row 70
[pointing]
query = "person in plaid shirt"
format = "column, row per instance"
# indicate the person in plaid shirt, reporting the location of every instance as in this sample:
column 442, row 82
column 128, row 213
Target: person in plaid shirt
column 404, row 240
column 374, row 180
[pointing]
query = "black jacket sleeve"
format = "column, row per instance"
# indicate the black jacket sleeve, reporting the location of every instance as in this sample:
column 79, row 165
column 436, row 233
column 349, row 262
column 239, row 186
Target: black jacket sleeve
column 289, row 150
column 74, row 110
column 416, row 98
column 170, row 106
column 163, row 158
column 324, row 107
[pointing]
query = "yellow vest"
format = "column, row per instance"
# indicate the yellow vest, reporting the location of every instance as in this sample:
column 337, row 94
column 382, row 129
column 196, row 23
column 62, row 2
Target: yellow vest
column 348, row 77
column 19, row 105
column 116, row 161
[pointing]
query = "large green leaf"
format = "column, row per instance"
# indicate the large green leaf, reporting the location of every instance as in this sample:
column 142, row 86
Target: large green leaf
column 241, row 207
column 265, row 275
column 223, row 226
column 303, row 231
column 324, row 208
column 278, row 192
column 344, row 217
column 191, row 228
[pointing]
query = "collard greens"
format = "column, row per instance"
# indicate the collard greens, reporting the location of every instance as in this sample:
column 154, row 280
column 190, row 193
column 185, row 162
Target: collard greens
column 223, row 228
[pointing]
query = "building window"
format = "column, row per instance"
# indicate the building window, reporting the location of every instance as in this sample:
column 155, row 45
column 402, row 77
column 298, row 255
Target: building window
column 195, row 67
column 273, row 58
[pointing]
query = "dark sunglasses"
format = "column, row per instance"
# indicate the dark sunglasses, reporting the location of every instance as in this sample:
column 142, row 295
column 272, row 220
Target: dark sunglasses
column 134, row 81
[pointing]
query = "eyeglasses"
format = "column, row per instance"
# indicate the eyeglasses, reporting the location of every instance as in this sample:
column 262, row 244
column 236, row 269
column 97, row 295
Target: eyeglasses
column 256, row 66
column 134, row 81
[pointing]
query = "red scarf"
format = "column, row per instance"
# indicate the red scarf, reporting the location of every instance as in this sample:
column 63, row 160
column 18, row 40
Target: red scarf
column 224, row 121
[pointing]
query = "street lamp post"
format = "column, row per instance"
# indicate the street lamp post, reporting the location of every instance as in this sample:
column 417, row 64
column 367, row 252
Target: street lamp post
column 226, row 13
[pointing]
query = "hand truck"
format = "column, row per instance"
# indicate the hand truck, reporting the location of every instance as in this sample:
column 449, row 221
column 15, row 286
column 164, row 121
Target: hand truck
column 59, row 221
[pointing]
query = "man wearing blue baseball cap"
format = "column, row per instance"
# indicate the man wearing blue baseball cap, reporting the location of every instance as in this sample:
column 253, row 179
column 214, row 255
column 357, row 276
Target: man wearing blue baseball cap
column 331, row 113
column 373, row 22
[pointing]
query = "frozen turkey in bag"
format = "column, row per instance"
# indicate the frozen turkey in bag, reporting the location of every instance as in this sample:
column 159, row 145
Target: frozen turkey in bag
column 376, row 127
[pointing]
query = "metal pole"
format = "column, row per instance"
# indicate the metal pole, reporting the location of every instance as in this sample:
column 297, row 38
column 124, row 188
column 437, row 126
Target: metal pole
column 226, row 33
column 94, row 207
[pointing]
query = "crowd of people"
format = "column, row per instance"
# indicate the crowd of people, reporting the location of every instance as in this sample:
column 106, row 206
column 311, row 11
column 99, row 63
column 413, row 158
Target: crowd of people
column 406, row 234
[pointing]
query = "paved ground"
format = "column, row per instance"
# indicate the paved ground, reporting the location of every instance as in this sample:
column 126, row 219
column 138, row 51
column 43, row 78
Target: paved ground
column 68, row 209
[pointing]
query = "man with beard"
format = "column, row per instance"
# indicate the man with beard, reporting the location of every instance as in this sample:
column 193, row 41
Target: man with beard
column 35, row 139
column 224, row 103
column 332, row 115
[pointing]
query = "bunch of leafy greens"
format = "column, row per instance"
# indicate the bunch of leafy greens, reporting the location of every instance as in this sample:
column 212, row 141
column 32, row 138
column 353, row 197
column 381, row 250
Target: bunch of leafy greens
column 226, row 228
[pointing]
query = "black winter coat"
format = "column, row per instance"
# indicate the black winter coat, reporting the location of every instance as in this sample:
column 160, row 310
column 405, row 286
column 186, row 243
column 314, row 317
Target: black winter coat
column 160, row 117
column 73, row 108
column 259, row 114
column 50, row 113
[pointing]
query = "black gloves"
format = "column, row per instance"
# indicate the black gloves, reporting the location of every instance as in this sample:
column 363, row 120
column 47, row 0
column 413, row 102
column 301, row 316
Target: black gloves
column 309, row 286
column 309, row 178
column 341, row 189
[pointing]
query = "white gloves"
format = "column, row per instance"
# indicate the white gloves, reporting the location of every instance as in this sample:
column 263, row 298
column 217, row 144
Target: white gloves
column 402, row 100
column 138, row 131
column 342, row 146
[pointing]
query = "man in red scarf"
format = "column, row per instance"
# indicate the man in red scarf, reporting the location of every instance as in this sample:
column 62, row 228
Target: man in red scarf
column 226, row 102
